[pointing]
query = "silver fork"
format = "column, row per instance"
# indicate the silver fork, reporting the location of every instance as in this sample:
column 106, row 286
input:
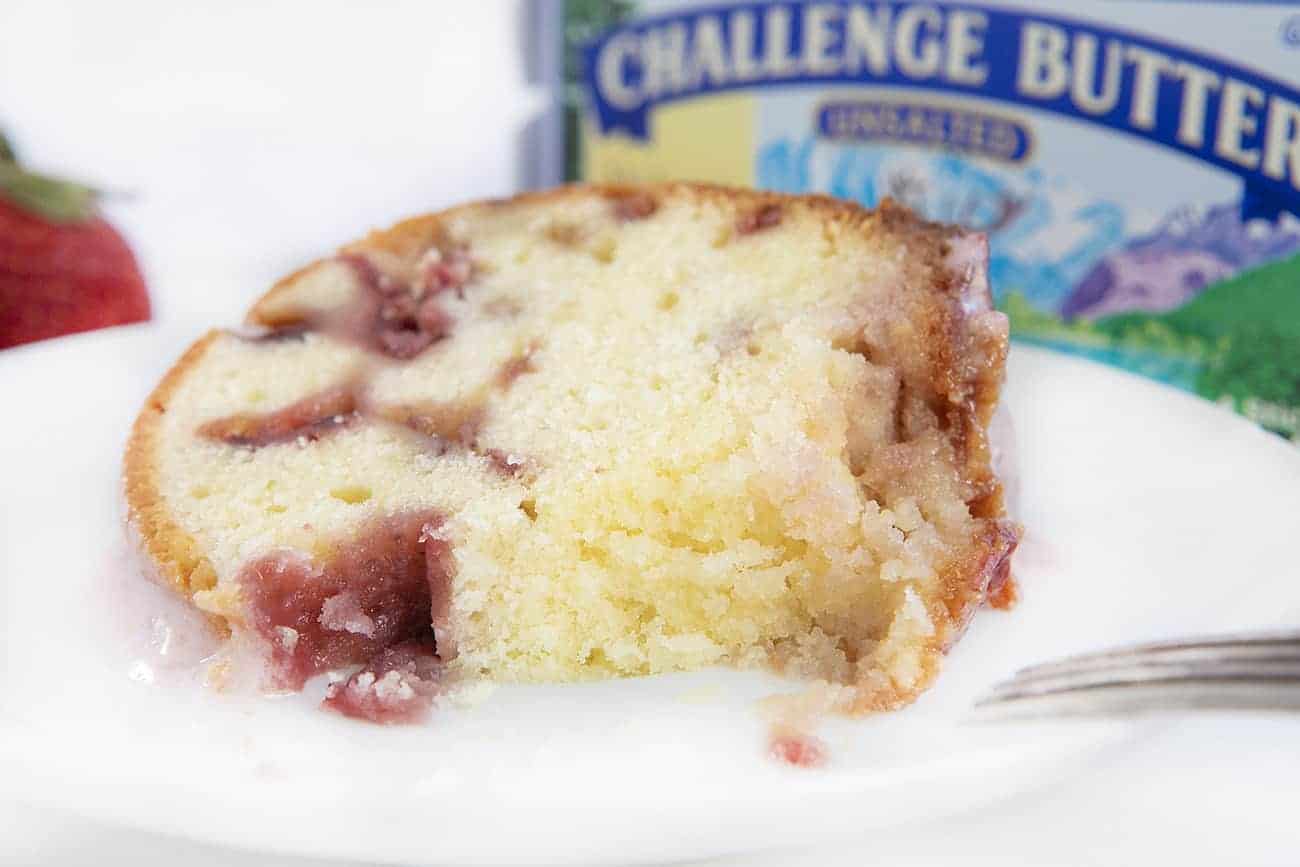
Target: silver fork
column 1246, row 671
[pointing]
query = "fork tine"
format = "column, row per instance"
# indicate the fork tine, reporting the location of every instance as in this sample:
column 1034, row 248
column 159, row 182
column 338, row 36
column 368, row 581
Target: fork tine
column 1248, row 671
column 1146, row 672
column 1149, row 696
column 1141, row 668
column 1244, row 647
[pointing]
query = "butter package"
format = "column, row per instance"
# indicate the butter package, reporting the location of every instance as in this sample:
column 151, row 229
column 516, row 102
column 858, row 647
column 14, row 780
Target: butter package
column 1136, row 165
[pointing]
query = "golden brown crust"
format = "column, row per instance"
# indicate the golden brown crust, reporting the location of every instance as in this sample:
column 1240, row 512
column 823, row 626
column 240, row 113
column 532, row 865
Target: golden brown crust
column 174, row 552
column 964, row 377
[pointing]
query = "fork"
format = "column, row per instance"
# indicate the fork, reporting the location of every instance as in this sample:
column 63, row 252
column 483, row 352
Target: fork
column 1245, row 671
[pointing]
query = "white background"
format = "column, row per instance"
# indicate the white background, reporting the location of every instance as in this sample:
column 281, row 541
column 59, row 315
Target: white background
column 243, row 139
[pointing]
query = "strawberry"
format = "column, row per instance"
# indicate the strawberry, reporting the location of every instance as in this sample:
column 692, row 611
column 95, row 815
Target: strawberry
column 63, row 268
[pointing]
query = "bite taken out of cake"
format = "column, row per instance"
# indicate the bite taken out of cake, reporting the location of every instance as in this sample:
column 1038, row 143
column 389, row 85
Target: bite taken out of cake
column 593, row 432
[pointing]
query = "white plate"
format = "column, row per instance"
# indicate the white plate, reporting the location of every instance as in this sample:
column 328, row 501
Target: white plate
column 1149, row 513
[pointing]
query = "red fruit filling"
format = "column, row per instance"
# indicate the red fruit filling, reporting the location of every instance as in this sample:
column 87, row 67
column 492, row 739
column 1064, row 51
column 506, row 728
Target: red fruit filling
column 802, row 751
column 310, row 418
column 441, row 271
column 754, row 221
column 504, row 462
column 1001, row 590
column 397, row 320
column 377, row 591
column 634, row 206
column 396, row 686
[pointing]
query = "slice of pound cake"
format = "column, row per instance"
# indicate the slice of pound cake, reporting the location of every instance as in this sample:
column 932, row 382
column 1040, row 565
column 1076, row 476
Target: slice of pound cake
column 593, row 432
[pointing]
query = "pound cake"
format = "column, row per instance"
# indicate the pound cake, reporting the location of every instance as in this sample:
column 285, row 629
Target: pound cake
column 587, row 433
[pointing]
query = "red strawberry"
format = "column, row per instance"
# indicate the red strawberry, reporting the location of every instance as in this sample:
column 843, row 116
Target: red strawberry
column 63, row 269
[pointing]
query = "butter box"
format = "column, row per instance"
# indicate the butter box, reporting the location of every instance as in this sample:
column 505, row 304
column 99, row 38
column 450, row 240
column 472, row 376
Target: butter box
column 1136, row 165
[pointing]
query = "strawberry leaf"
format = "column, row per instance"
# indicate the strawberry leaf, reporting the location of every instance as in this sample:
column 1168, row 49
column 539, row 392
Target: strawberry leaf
column 56, row 200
